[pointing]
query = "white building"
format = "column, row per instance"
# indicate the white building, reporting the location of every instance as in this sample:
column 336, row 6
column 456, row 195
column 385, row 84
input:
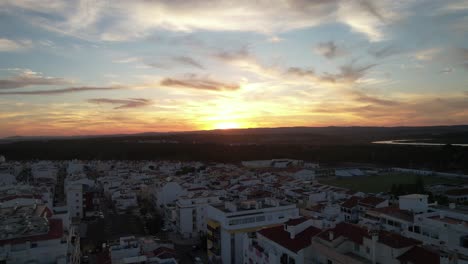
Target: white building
column 227, row 224
column 348, row 243
column 7, row 176
column 74, row 195
column 167, row 193
column 141, row 250
column 191, row 212
column 443, row 228
column 124, row 199
column 306, row 175
column 31, row 234
column 416, row 203
column 287, row 243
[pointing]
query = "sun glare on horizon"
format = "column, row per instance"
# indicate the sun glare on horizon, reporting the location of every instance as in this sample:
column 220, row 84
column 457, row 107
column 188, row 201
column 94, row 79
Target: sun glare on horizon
column 227, row 125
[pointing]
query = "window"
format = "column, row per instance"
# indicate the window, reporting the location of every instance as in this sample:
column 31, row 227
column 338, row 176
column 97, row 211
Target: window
column 417, row 229
column 464, row 241
column 367, row 250
column 329, row 261
column 284, row 259
column 356, row 247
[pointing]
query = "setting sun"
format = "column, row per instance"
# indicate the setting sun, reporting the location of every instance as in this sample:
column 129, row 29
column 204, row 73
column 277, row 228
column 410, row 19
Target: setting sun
column 227, row 125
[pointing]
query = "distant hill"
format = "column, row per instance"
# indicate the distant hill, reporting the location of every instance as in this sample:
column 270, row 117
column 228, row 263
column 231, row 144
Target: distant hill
column 326, row 145
column 353, row 134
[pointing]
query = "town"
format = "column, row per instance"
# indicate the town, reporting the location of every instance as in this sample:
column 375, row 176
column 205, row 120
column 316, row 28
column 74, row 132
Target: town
column 262, row 211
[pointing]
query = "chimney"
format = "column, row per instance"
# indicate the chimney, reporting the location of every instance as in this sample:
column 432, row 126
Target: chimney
column 331, row 235
column 292, row 233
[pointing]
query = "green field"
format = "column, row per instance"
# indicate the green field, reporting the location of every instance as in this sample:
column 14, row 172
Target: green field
column 383, row 183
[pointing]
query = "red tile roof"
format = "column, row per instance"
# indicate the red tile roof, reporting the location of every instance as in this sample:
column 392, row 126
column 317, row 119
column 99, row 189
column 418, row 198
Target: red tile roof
column 357, row 233
column 19, row 196
column 282, row 237
column 419, row 255
column 371, row 201
column 164, row 252
column 351, row 202
column 55, row 232
column 295, row 222
column 395, row 240
column 353, row 232
column 396, row 212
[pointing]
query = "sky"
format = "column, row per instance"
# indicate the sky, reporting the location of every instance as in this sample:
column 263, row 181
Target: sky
column 110, row 66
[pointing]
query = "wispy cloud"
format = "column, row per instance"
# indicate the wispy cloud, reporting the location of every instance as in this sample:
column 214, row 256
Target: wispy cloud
column 301, row 72
column 122, row 103
column 30, row 78
column 188, row 61
column 124, row 20
column 348, row 73
column 7, row 45
column 426, row 54
column 329, row 50
column 201, row 83
column 362, row 97
column 64, row 90
column 371, row 17
column 383, row 52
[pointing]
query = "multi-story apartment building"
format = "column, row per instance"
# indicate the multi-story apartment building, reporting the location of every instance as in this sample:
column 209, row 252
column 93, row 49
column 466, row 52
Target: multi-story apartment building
column 287, row 243
column 191, row 212
column 229, row 222
column 74, row 195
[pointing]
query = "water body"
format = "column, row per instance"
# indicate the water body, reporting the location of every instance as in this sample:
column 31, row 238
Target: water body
column 410, row 143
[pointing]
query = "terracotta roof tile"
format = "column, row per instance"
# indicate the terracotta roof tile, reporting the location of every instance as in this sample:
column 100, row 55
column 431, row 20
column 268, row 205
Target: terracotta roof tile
column 283, row 238
column 419, row 255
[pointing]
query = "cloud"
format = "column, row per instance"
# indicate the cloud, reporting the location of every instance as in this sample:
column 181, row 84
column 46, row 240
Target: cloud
column 329, row 50
column 348, row 73
column 454, row 6
column 301, row 72
column 163, row 63
column 383, row 52
column 456, row 57
column 371, row 17
column 236, row 55
column 30, row 78
column 195, row 82
column 64, row 90
column 426, row 54
column 362, row 97
column 188, row 61
column 7, row 45
column 275, row 39
column 122, row 103
column 121, row 20
column 446, row 70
